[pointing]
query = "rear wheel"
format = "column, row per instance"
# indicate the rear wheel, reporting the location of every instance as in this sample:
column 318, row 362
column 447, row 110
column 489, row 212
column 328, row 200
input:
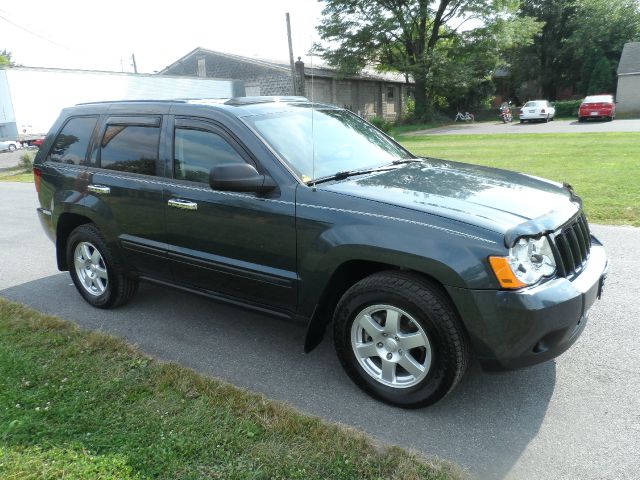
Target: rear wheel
column 96, row 273
column 12, row 147
column 399, row 339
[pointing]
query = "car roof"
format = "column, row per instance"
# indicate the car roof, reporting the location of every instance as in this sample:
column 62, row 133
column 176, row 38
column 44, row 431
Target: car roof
column 238, row 106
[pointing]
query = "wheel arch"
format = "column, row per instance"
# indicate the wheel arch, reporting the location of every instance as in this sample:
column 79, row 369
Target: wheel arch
column 344, row 277
column 67, row 222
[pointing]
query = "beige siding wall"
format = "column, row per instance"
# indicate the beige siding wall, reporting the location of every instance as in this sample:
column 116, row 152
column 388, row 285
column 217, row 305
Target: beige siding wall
column 628, row 95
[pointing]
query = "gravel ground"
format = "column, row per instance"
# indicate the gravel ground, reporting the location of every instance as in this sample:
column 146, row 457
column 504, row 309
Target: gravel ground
column 557, row 126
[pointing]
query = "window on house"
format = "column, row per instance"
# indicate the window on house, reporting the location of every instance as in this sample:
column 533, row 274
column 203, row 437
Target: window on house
column 390, row 92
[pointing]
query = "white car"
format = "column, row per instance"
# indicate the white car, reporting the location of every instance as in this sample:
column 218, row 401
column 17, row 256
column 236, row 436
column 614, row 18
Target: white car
column 10, row 145
column 538, row 110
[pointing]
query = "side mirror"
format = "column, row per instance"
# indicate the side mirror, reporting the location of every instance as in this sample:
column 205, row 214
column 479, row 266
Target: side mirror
column 240, row 178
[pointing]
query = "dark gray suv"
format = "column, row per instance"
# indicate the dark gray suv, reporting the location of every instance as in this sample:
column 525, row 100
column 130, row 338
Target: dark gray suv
column 308, row 212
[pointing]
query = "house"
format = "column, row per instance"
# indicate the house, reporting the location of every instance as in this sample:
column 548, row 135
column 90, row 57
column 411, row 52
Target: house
column 369, row 93
column 628, row 94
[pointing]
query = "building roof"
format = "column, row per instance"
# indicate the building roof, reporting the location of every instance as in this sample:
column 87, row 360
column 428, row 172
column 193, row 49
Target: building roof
column 319, row 68
column 630, row 59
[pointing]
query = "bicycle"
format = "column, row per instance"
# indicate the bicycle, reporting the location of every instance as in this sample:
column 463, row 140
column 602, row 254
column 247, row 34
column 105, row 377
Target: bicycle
column 466, row 117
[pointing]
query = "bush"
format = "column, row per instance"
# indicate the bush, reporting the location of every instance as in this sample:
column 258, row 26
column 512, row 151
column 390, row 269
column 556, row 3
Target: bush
column 26, row 161
column 568, row 108
column 381, row 124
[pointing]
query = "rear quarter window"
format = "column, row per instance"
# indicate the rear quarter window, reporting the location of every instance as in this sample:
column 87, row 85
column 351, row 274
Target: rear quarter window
column 70, row 146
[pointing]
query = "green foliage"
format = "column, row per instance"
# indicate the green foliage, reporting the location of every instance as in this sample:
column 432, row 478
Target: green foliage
column 422, row 38
column 82, row 405
column 567, row 108
column 381, row 124
column 26, row 161
column 602, row 77
column 577, row 34
column 5, row 58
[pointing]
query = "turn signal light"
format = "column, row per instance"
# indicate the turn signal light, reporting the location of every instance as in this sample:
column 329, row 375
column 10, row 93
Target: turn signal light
column 37, row 175
column 504, row 274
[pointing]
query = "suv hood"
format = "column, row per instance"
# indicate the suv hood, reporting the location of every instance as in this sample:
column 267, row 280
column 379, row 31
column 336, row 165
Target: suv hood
column 487, row 197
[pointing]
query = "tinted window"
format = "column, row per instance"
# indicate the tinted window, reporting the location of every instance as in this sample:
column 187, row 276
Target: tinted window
column 198, row 151
column 72, row 142
column 130, row 148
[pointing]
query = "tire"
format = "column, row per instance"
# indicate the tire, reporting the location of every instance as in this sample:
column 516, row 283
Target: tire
column 425, row 317
column 12, row 147
column 546, row 120
column 521, row 121
column 581, row 119
column 95, row 271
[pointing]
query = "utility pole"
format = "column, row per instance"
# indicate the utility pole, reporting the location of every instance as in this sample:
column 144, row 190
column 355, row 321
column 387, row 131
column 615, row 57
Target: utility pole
column 135, row 67
column 293, row 67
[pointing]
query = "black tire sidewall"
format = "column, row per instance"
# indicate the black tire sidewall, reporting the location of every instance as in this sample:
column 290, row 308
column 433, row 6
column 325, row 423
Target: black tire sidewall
column 88, row 234
column 441, row 374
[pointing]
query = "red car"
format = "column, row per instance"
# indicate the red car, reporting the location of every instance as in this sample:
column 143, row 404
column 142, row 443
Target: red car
column 597, row 106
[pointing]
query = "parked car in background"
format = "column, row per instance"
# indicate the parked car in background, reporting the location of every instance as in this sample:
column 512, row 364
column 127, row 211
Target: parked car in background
column 10, row 145
column 537, row 110
column 597, row 106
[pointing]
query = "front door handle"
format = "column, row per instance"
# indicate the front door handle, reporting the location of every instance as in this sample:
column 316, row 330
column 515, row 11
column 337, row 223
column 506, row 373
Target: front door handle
column 183, row 204
column 99, row 189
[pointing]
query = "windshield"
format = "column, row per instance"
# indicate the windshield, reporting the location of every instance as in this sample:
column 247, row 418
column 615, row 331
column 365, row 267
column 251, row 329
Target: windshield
column 341, row 141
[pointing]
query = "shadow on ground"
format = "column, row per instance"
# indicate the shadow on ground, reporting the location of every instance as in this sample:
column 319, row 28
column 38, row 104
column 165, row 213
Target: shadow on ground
column 484, row 425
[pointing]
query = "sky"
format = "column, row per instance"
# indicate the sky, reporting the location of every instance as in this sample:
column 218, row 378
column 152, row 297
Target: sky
column 103, row 35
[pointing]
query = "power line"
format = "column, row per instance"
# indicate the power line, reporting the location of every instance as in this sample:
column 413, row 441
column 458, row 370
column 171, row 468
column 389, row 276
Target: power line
column 34, row 33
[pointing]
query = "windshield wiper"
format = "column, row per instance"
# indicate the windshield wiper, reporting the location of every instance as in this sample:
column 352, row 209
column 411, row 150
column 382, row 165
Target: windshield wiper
column 349, row 173
column 405, row 160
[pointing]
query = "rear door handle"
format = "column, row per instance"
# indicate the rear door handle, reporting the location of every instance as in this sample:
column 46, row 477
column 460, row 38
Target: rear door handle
column 99, row 189
column 183, row 204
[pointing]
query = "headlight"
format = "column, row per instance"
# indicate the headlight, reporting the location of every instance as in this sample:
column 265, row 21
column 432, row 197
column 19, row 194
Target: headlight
column 529, row 260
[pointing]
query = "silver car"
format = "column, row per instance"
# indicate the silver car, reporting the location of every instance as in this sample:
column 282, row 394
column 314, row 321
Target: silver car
column 10, row 145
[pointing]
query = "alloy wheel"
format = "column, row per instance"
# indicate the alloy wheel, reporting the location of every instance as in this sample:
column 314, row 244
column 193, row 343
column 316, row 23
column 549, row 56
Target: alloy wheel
column 91, row 268
column 391, row 346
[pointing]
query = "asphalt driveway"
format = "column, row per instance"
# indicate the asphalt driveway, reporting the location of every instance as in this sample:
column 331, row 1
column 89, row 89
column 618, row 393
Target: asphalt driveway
column 557, row 126
column 577, row 417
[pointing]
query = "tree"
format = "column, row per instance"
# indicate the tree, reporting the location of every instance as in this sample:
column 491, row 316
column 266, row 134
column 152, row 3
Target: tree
column 404, row 35
column 5, row 59
column 601, row 77
column 576, row 35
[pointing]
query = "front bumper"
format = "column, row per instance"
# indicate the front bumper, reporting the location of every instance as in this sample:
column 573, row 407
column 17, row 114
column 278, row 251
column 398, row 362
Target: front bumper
column 515, row 329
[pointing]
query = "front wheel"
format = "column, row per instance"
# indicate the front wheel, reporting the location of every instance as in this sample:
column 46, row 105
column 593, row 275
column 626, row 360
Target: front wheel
column 12, row 147
column 96, row 273
column 399, row 339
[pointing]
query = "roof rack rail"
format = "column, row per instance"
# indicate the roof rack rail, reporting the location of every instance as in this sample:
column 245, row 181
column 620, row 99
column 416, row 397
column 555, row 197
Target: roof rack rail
column 134, row 101
column 265, row 99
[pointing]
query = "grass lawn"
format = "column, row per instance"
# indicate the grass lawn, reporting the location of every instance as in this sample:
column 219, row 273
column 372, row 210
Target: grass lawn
column 603, row 168
column 16, row 176
column 83, row 405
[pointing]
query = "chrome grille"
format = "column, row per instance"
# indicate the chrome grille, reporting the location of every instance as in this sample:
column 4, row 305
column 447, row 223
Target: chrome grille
column 572, row 244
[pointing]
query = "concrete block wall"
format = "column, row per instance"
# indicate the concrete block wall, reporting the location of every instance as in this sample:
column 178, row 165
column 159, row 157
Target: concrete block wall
column 267, row 81
column 628, row 95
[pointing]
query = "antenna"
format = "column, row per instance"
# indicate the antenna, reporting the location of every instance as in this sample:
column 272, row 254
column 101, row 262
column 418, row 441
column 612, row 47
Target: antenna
column 313, row 140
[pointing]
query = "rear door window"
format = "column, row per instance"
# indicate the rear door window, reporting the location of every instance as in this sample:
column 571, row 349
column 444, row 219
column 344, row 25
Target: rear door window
column 130, row 148
column 71, row 143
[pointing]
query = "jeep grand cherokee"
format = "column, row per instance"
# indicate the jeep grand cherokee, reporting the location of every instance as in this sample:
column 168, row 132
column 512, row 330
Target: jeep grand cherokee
column 309, row 212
